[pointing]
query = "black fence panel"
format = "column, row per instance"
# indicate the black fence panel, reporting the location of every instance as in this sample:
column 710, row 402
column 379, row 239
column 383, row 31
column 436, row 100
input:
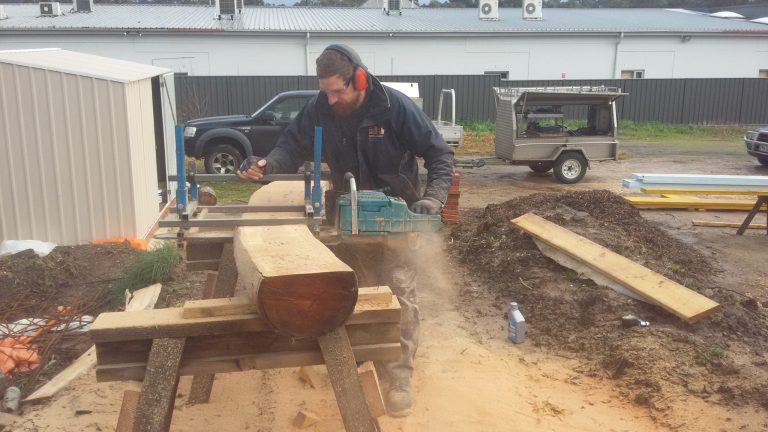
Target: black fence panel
column 701, row 101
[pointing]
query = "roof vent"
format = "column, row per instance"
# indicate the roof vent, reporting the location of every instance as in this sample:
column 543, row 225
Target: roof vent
column 532, row 10
column 488, row 10
column 727, row 14
column 83, row 5
column 3, row 15
column 392, row 7
column 50, row 8
column 228, row 8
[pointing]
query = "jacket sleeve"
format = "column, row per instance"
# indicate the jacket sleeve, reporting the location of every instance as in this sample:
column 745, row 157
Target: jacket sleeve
column 295, row 144
column 418, row 134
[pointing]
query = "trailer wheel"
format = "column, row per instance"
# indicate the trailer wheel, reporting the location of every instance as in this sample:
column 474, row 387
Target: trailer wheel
column 541, row 167
column 570, row 167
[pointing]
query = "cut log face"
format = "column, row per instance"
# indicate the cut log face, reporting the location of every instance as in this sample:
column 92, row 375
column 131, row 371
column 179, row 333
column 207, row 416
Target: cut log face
column 300, row 287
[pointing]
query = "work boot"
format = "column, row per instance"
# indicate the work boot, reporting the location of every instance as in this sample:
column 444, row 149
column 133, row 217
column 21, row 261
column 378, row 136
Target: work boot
column 399, row 399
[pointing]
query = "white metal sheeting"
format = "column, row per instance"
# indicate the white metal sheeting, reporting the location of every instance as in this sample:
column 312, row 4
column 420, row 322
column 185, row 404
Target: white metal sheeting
column 76, row 63
column 77, row 153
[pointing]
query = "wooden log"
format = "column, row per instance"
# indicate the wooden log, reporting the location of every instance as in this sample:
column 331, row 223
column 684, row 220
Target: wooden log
column 300, row 287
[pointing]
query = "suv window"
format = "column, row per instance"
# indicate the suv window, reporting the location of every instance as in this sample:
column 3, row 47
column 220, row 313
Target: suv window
column 286, row 110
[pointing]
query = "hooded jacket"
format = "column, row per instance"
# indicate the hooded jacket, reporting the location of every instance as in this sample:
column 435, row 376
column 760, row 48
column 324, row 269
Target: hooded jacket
column 392, row 134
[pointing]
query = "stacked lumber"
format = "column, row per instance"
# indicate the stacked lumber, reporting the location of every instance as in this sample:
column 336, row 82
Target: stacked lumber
column 644, row 283
column 691, row 203
column 451, row 207
column 224, row 335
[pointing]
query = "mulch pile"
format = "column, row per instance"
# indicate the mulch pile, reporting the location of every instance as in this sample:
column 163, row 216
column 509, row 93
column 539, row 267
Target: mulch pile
column 722, row 358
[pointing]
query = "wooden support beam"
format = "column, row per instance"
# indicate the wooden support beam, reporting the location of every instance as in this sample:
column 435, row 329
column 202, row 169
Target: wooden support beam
column 722, row 224
column 170, row 322
column 222, row 286
column 127, row 411
column 136, row 371
column 690, row 203
column 371, row 388
column 368, row 296
column 342, row 371
column 158, row 391
column 673, row 297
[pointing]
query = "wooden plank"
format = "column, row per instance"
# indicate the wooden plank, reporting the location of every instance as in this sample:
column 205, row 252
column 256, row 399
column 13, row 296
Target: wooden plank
column 127, row 411
column 673, row 297
column 342, row 371
column 135, row 371
column 703, row 179
column 725, row 224
column 367, row 296
column 690, row 203
column 170, row 322
column 371, row 388
column 245, row 343
column 704, row 191
column 158, row 391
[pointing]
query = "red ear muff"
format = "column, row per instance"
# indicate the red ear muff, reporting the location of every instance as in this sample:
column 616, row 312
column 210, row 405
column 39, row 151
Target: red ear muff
column 360, row 78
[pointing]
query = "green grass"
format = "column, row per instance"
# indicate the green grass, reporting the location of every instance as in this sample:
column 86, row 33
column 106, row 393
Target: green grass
column 150, row 267
column 231, row 191
column 655, row 131
column 478, row 126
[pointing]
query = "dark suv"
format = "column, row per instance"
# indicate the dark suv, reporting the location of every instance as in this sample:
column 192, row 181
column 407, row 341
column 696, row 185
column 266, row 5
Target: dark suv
column 757, row 144
column 225, row 141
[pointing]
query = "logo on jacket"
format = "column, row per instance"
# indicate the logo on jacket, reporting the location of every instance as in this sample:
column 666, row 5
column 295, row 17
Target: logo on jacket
column 375, row 132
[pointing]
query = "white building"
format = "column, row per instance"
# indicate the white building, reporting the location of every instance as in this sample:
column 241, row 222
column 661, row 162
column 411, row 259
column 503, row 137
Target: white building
column 567, row 43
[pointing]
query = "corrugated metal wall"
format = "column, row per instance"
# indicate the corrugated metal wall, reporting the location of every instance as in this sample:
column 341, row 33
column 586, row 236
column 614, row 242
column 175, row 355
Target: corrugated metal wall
column 68, row 160
column 701, row 101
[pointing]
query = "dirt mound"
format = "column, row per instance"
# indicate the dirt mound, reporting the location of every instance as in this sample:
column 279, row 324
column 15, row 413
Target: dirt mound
column 75, row 276
column 718, row 359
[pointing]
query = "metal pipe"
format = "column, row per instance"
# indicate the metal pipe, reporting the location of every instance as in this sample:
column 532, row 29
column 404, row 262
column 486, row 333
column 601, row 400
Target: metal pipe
column 181, row 183
column 616, row 57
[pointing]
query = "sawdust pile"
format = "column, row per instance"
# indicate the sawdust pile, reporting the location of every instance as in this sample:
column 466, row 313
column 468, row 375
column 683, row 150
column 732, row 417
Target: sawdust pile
column 714, row 359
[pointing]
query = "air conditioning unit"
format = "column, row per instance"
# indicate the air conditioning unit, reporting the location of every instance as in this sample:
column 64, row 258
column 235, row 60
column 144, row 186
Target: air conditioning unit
column 229, row 8
column 50, row 8
column 532, row 10
column 488, row 10
column 2, row 13
column 83, row 5
column 392, row 7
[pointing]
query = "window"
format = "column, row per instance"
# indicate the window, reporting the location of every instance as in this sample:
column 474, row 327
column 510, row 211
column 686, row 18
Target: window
column 504, row 74
column 632, row 74
column 287, row 110
column 763, row 73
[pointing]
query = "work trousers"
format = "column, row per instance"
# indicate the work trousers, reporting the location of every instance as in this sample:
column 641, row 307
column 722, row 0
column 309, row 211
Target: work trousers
column 390, row 264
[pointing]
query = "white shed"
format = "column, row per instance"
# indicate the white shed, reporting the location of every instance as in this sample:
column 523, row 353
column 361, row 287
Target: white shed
column 86, row 143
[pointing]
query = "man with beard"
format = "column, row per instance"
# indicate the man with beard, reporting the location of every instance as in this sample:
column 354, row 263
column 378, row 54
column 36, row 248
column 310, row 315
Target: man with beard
column 376, row 133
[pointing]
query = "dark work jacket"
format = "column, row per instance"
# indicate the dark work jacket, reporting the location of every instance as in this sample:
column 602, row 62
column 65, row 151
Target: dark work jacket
column 392, row 134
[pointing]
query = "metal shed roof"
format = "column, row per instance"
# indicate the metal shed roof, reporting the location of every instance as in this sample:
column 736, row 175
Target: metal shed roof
column 105, row 17
column 77, row 63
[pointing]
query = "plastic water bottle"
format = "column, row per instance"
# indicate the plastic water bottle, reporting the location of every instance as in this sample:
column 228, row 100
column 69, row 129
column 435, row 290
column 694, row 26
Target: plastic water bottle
column 11, row 399
column 516, row 324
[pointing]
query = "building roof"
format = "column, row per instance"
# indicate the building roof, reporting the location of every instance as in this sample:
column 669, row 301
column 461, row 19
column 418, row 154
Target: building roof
column 77, row 63
column 133, row 17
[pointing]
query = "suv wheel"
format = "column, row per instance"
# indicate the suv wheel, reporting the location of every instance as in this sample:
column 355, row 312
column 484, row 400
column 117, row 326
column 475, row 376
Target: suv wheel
column 541, row 167
column 763, row 160
column 570, row 167
column 222, row 159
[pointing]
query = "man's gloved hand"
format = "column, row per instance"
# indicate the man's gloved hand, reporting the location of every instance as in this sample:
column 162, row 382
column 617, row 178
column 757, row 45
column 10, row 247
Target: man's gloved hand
column 427, row 206
column 252, row 168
